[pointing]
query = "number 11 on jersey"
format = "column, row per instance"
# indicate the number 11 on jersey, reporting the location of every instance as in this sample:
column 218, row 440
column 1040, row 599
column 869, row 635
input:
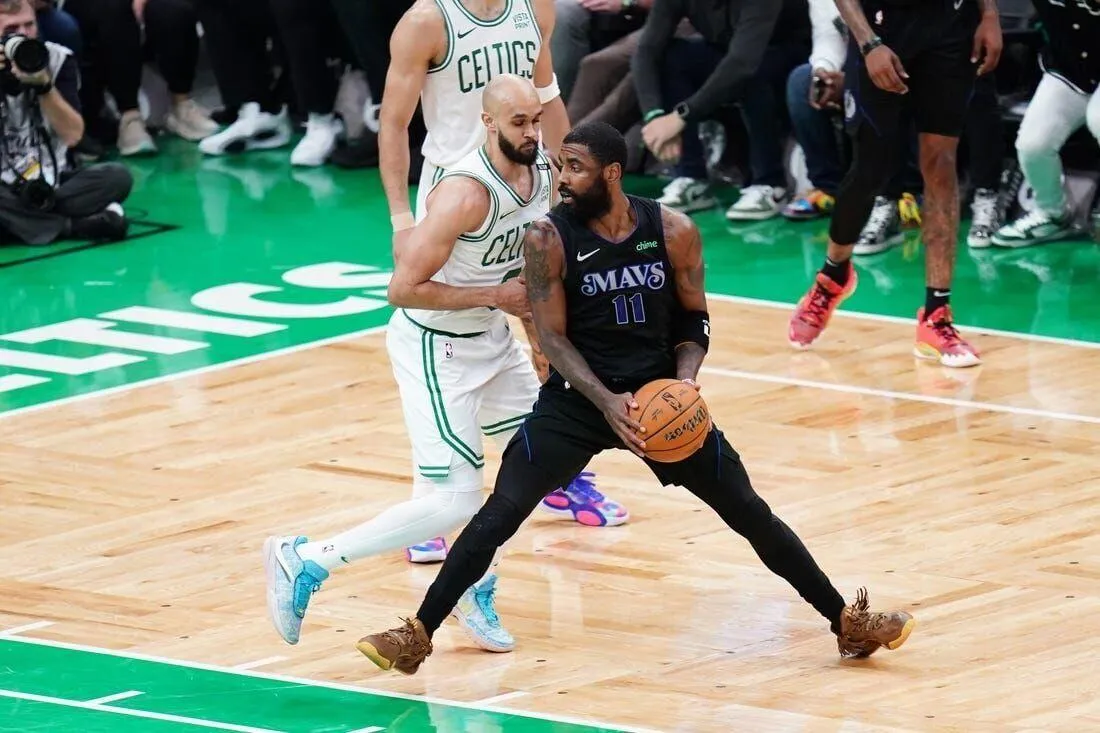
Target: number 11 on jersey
column 637, row 309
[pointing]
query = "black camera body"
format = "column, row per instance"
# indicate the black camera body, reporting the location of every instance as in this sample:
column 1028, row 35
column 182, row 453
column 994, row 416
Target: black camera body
column 29, row 55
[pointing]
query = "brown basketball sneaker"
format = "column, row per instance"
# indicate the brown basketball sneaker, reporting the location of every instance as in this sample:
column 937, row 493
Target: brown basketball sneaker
column 403, row 648
column 863, row 632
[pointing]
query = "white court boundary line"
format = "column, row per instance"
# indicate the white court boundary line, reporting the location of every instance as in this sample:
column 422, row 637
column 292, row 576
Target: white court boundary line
column 115, row 697
column 775, row 304
column 903, row 396
column 5, row 633
column 428, row 699
column 134, row 713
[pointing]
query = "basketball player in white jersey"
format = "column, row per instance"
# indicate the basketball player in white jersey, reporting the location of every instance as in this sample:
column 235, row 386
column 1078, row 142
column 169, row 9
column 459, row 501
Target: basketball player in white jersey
column 443, row 54
column 460, row 371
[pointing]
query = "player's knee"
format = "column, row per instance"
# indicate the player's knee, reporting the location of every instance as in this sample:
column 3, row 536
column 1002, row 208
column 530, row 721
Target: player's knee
column 938, row 160
column 1031, row 145
column 496, row 522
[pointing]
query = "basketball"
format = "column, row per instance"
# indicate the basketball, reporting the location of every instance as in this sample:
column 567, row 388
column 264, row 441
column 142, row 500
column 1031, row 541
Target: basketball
column 675, row 418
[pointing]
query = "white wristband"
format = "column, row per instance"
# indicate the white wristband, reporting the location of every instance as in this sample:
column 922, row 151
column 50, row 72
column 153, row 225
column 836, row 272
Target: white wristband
column 402, row 222
column 549, row 93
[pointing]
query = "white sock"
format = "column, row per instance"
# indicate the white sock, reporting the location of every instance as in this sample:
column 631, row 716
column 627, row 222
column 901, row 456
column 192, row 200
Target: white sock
column 398, row 527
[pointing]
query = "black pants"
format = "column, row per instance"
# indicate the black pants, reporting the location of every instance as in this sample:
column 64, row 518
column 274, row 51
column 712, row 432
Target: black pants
column 984, row 137
column 562, row 434
column 236, row 34
column 368, row 25
column 82, row 193
column 114, row 53
column 310, row 36
column 934, row 42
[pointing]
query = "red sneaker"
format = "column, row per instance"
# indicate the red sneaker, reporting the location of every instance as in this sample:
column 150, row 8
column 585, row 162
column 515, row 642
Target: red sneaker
column 937, row 339
column 813, row 312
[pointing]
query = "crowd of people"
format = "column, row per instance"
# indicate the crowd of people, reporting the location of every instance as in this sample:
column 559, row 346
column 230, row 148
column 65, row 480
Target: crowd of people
column 709, row 92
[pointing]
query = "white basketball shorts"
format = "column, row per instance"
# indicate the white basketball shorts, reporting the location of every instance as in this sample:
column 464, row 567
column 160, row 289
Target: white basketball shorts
column 455, row 390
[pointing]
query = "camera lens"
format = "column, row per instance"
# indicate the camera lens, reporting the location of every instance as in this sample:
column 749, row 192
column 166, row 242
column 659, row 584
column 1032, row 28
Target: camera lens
column 30, row 55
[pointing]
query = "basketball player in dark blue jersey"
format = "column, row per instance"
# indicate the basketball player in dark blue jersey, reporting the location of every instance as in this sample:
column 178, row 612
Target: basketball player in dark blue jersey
column 616, row 290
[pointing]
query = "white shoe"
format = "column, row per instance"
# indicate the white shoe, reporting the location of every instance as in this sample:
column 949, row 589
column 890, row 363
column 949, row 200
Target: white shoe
column 252, row 130
column 133, row 136
column 476, row 613
column 882, row 230
column 757, row 203
column 190, row 121
column 319, row 141
column 688, row 195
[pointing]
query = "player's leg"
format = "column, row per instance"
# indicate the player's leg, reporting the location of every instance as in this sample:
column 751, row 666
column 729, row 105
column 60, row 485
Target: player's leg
column 556, row 441
column 941, row 84
column 716, row 475
column 447, row 455
column 874, row 114
column 1054, row 113
column 508, row 401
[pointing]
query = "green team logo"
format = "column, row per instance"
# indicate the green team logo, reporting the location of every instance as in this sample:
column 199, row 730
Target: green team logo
column 643, row 246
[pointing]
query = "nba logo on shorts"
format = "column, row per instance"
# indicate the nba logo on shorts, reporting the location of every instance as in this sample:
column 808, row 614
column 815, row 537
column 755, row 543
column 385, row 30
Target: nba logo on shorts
column 448, row 350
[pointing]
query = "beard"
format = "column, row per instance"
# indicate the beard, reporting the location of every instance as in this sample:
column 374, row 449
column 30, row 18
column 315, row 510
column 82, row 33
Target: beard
column 518, row 155
column 593, row 203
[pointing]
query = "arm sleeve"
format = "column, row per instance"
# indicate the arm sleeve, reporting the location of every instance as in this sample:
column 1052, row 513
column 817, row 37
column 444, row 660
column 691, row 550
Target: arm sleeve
column 830, row 47
column 645, row 66
column 750, row 39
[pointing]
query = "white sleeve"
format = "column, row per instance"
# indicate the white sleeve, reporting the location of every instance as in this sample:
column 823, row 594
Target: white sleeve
column 830, row 47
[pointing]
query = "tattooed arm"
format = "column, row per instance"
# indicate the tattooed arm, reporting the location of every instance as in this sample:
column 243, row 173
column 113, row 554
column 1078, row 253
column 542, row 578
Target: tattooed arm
column 882, row 64
column 685, row 253
column 544, row 269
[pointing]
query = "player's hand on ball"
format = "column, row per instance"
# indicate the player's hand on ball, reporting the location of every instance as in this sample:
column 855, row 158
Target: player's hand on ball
column 616, row 410
column 692, row 383
column 512, row 297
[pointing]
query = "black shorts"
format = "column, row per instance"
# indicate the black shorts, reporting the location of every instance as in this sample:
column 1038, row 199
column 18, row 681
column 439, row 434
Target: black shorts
column 565, row 430
column 934, row 41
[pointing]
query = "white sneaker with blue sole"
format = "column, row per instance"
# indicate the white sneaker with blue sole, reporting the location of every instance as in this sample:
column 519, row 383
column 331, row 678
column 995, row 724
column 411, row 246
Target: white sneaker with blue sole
column 290, row 584
column 476, row 613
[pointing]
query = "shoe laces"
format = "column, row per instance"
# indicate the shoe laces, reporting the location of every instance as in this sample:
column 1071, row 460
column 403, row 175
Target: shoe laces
column 679, row 186
column 582, row 487
column 984, row 209
column 755, row 197
column 817, row 307
column 1032, row 219
column 485, row 594
column 408, row 642
column 860, row 614
column 881, row 216
column 944, row 327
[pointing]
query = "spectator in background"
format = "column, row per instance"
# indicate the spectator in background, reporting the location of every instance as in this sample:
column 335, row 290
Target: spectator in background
column 745, row 52
column 574, row 32
column 310, row 36
column 815, row 98
column 1067, row 98
column 236, row 33
column 114, row 54
column 55, row 25
column 41, row 199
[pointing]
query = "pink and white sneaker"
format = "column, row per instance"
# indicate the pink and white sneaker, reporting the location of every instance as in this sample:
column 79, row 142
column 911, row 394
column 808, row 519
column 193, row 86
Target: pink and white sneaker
column 434, row 550
column 581, row 502
column 939, row 340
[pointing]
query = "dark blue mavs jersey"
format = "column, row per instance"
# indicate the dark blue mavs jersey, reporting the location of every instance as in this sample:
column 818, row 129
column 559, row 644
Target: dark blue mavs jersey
column 620, row 297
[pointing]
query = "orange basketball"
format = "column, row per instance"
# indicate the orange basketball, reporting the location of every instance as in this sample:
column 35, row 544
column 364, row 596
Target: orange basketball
column 675, row 418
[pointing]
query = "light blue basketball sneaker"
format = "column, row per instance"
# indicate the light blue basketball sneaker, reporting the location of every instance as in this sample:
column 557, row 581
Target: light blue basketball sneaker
column 476, row 613
column 290, row 584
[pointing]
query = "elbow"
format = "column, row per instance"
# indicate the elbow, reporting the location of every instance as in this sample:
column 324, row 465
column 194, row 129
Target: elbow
column 398, row 294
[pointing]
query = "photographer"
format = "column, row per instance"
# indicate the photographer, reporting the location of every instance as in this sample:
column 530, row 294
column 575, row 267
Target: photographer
column 41, row 200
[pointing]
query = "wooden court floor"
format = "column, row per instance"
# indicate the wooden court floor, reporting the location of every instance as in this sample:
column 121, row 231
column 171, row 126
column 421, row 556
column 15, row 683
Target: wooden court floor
column 134, row 521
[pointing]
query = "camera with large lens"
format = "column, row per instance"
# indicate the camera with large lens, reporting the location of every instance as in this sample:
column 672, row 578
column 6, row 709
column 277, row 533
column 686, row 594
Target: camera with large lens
column 35, row 194
column 29, row 55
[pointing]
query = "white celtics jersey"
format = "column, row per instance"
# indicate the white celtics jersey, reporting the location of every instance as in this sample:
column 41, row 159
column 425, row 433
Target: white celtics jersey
column 493, row 253
column 477, row 50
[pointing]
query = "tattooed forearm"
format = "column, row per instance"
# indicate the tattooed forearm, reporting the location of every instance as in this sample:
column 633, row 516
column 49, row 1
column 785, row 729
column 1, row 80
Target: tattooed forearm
column 852, row 13
column 940, row 220
column 536, row 253
column 685, row 253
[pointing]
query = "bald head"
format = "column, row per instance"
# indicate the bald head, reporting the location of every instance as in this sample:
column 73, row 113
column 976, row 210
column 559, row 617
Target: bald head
column 508, row 92
column 512, row 114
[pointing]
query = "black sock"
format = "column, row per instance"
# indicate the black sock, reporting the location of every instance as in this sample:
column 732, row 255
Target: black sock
column 837, row 271
column 934, row 298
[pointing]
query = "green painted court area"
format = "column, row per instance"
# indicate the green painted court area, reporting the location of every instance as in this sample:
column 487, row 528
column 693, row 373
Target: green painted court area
column 49, row 687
